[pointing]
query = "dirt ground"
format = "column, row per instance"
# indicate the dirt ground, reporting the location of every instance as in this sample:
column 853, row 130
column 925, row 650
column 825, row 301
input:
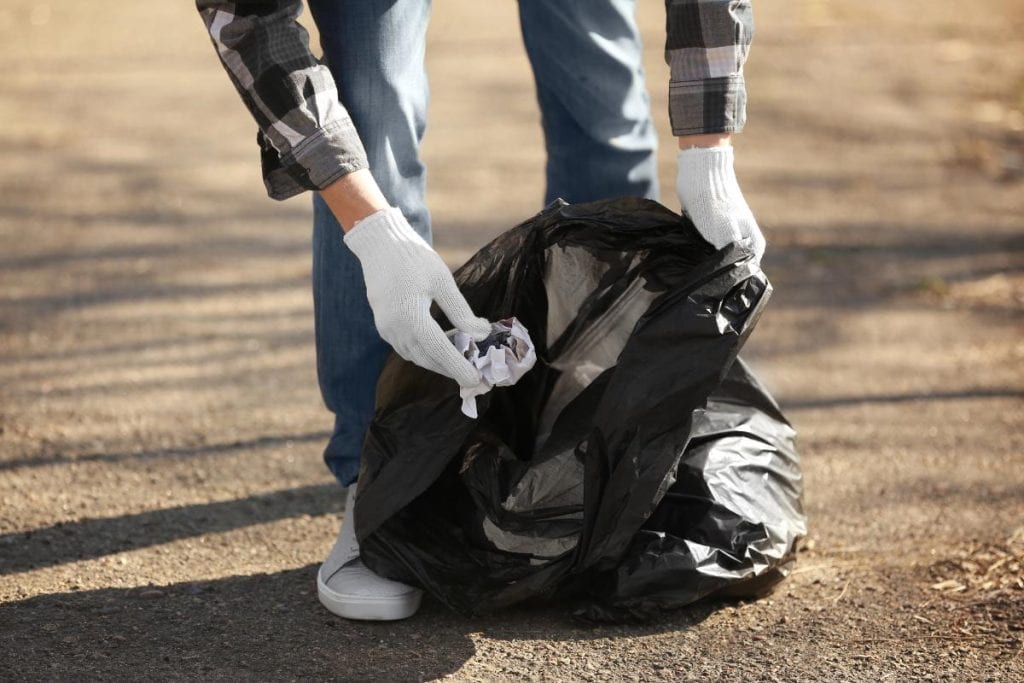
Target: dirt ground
column 163, row 506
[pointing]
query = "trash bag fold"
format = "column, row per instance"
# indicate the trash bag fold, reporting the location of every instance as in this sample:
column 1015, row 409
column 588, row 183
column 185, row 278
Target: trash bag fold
column 638, row 467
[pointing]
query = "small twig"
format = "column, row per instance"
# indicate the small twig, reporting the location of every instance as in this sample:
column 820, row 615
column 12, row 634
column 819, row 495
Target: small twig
column 995, row 565
column 812, row 567
column 839, row 597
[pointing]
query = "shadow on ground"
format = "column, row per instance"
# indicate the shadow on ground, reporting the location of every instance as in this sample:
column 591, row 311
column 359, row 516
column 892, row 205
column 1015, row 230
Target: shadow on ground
column 210, row 629
column 85, row 539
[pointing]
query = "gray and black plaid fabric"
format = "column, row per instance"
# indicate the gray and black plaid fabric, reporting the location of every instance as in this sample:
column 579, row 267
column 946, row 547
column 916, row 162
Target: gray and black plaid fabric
column 706, row 46
column 307, row 138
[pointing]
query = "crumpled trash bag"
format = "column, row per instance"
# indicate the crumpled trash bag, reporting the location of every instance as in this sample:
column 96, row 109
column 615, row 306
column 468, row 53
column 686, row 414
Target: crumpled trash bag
column 637, row 468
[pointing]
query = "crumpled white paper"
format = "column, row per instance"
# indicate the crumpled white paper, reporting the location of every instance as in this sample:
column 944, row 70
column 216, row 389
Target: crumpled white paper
column 502, row 358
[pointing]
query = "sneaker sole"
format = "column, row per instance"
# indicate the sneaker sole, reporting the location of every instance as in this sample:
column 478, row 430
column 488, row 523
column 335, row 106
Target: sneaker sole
column 368, row 609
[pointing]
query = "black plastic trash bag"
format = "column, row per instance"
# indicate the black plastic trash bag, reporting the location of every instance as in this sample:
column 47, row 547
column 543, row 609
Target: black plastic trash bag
column 638, row 467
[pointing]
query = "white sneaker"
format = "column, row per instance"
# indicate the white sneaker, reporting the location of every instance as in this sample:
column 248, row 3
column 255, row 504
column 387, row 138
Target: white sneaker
column 349, row 589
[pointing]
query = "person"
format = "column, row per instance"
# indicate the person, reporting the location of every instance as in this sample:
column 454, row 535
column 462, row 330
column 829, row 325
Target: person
column 350, row 127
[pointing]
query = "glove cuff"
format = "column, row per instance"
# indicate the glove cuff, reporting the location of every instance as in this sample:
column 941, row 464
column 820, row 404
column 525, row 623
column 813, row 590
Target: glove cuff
column 706, row 173
column 386, row 230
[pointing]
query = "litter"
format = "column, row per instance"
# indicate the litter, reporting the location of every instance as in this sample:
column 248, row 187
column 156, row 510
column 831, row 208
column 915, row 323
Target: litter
column 502, row 358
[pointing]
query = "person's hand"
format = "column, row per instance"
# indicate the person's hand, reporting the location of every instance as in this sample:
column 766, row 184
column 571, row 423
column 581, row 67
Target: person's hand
column 403, row 276
column 711, row 197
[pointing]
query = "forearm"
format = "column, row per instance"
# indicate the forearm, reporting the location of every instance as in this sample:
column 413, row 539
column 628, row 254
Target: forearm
column 353, row 198
column 307, row 137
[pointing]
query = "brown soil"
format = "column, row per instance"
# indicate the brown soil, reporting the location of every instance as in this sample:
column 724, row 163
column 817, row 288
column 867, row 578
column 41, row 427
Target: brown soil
column 163, row 507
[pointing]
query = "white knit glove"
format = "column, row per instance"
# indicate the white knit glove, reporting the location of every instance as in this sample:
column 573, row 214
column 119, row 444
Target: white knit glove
column 711, row 197
column 403, row 276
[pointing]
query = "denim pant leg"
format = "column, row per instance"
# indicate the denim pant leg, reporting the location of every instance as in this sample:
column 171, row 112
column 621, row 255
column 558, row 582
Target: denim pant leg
column 374, row 49
column 587, row 60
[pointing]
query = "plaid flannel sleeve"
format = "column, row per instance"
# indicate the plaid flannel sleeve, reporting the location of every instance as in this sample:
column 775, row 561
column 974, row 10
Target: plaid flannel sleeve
column 306, row 137
column 706, row 46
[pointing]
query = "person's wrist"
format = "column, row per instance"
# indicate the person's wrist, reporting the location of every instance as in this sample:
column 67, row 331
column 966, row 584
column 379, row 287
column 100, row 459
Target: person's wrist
column 379, row 233
column 353, row 198
column 705, row 140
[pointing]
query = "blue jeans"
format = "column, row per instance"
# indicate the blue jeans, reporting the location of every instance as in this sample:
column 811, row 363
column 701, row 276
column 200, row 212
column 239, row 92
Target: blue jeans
column 586, row 58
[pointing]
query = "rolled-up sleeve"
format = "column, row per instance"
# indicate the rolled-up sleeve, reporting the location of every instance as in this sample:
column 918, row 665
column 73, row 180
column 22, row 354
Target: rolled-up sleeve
column 706, row 46
column 306, row 137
